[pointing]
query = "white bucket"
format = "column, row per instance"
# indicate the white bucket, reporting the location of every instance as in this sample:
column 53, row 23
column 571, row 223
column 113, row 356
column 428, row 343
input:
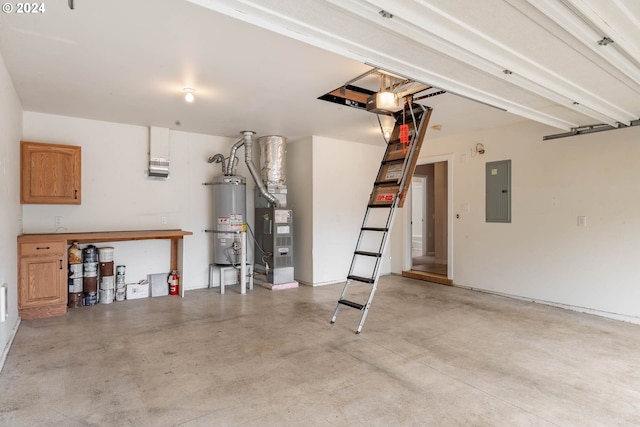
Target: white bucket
column 107, row 282
column 75, row 271
column 105, row 254
column 90, row 269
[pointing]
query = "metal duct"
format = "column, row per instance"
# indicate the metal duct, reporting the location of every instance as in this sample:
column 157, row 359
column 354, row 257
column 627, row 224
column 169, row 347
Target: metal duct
column 273, row 151
column 158, row 152
column 248, row 159
column 234, row 148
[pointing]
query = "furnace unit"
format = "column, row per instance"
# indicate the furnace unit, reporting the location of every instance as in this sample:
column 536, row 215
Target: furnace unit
column 273, row 221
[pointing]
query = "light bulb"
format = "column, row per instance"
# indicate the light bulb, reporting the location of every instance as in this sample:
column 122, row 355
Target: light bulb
column 387, row 99
column 189, row 96
column 387, row 134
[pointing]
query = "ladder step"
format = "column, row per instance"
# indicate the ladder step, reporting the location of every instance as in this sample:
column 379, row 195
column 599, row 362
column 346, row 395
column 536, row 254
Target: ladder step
column 351, row 304
column 381, row 229
column 366, row 253
column 386, row 183
column 369, row 280
column 380, row 205
column 399, row 160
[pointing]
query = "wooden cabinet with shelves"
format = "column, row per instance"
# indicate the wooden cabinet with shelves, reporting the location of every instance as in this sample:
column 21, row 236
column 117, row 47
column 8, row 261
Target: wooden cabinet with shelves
column 42, row 265
column 42, row 271
column 50, row 173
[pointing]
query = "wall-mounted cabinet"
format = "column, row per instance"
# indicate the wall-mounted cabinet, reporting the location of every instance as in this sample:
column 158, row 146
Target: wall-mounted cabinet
column 50, row 173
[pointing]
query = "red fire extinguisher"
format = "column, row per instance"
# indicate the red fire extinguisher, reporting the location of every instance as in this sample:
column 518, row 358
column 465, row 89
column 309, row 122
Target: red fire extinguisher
column 174, row 283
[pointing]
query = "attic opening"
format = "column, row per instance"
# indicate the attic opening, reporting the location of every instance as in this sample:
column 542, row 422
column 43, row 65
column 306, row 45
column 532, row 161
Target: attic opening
column 380, row 92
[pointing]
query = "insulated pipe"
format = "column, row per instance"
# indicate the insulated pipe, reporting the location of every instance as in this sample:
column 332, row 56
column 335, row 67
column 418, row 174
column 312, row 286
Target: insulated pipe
column 248, row 159
column 234, row 148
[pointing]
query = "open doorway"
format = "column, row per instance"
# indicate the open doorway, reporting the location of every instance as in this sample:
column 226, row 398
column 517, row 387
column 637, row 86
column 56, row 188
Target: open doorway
column 428, row 234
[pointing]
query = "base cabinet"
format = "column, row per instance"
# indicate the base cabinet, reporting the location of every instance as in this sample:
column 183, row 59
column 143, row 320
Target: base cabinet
column 42, row 288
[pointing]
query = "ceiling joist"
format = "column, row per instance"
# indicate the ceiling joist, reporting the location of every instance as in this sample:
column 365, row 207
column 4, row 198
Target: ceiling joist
column 426, row 28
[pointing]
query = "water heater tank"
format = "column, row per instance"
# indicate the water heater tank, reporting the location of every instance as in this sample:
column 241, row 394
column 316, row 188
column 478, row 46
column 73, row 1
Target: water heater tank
column 229, row 216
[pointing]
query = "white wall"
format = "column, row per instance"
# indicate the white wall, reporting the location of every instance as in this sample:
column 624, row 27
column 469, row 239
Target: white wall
column 343, row 177
column 300, row 200
column 10, row 214
column 116, row 195
column 543, row 255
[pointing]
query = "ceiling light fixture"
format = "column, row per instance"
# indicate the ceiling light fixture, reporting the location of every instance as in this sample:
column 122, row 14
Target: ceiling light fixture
column 189, row 94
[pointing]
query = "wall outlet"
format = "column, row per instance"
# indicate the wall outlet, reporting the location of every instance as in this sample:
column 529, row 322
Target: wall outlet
column 57, row 221
column 163, row 220
column 582, row 221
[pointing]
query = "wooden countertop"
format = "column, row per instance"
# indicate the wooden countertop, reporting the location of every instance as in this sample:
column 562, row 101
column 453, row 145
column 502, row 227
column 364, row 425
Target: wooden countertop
column 107, row 236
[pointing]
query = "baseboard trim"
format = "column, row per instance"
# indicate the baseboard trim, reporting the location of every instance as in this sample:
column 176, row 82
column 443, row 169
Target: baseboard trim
column 585, row 310
column 5, row 352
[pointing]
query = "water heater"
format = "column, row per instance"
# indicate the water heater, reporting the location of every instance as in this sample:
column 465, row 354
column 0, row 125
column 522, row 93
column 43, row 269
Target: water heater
column 229, row 216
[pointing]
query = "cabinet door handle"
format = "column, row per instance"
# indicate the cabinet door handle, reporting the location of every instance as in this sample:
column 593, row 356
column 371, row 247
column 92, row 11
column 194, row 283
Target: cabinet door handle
column 45, row 248
column 60, row 264
column 75, row 194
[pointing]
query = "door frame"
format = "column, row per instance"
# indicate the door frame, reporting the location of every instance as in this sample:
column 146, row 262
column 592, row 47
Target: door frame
column 407, row 262
column 423, row 208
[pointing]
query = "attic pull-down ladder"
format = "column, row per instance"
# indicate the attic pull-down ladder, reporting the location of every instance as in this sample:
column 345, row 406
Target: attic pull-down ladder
column 389, row 190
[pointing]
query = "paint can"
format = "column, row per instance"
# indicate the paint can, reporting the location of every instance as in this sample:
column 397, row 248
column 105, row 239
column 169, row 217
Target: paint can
column 75, row 300
column 90, row 298
column 75, row 271
column 120, row 270
column 76, row 285
column 90, row 269
column 106, row 268
column 90, row 254
column 107, row 282
column 106, row 296
column 75, row 254
column 105, row 254
column 90, row 284
column 121, row 291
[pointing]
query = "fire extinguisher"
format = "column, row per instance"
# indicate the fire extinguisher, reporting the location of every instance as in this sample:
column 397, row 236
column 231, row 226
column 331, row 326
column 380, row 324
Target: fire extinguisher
column 174, row 283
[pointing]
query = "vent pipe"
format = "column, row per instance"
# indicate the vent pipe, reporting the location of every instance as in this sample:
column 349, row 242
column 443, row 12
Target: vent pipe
column 232, row 157
column 248, row 159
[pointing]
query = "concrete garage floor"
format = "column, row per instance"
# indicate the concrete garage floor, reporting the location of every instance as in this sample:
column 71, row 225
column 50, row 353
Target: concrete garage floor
column 429, row 355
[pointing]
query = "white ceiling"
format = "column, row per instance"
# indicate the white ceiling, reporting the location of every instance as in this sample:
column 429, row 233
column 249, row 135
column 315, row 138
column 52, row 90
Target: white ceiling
column 261, row 68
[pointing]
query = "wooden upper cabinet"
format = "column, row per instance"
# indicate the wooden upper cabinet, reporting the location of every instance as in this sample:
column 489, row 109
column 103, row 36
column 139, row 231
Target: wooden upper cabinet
column 50, row 173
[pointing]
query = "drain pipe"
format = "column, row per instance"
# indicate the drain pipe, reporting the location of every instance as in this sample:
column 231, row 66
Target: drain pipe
column 248, row 159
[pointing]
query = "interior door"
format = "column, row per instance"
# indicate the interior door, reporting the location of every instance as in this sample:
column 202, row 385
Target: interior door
column 433, row 207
